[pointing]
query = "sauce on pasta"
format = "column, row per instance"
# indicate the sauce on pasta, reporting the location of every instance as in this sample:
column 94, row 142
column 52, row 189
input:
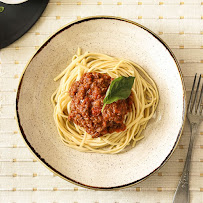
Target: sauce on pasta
column 87, row 100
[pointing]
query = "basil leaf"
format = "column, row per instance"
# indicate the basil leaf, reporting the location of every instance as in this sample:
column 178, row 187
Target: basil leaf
column 1, row 9
column 120, row 88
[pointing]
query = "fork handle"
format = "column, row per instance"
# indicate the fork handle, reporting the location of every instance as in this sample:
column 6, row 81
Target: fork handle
column 182, row 192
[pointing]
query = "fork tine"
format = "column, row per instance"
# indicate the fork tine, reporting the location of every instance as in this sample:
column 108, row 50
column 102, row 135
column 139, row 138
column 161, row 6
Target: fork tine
column 190, row 100
column 196, row 93
column 200, row 99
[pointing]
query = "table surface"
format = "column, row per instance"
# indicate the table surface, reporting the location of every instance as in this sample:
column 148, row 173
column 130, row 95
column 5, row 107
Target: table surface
column 24, row 179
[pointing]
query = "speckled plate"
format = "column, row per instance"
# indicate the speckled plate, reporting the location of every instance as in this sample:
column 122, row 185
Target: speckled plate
column 117, row 37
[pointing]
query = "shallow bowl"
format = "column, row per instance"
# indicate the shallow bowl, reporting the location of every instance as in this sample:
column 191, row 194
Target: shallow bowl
column 117, row 37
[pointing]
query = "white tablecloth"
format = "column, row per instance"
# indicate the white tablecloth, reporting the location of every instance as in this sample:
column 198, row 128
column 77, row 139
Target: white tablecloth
column 23, row 179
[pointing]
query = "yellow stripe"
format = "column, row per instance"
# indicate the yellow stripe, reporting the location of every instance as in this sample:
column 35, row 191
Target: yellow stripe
column 159, row 189
column 180, row 146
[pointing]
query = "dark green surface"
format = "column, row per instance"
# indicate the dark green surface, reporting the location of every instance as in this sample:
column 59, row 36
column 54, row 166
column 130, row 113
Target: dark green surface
column 15, row 20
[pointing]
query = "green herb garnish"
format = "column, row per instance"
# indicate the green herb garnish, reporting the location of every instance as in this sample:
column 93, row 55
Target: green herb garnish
column 120, row 88
column 1, row 9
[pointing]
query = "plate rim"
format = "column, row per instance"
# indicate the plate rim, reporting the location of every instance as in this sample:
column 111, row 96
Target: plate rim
column 53, row 170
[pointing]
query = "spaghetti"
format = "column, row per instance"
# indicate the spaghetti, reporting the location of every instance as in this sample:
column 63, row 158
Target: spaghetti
column 144, row 95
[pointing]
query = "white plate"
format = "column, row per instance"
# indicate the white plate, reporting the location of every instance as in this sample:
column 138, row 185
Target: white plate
column 13, row 1
column 117, row 37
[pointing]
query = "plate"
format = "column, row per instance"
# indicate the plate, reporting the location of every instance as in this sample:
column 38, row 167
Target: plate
column 17, row 19
column 117, row 37
column 13, row 1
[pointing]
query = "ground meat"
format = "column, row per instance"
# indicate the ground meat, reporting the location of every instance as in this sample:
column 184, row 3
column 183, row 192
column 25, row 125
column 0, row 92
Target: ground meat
column 87, row 101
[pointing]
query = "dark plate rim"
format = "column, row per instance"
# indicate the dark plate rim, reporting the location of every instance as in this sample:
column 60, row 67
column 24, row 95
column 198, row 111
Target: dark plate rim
column 27, row 27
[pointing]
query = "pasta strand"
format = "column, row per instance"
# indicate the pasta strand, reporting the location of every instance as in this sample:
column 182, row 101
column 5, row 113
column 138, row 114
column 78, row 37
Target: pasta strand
column 145, row 100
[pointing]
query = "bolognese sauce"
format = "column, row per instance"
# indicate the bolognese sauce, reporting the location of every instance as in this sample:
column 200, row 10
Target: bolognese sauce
column 87, row 101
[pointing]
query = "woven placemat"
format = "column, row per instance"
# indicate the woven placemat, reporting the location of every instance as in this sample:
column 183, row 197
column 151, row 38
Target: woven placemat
column 23, row 179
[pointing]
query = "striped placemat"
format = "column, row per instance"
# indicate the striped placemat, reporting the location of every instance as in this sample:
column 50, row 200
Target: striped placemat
column 23, row 179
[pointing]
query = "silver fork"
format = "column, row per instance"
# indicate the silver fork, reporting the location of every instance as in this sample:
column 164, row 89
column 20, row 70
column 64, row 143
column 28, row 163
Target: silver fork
column 195, row 117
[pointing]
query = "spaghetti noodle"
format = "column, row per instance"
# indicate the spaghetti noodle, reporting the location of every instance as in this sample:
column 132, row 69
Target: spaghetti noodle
column 144, row 95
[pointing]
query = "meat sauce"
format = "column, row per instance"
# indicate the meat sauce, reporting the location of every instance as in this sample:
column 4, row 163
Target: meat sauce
column 87, row 101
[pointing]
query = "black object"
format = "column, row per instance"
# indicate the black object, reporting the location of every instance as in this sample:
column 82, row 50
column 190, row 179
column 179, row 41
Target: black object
column 17, row 19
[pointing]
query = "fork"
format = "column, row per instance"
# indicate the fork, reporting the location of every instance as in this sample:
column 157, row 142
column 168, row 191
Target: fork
column 195, row 117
